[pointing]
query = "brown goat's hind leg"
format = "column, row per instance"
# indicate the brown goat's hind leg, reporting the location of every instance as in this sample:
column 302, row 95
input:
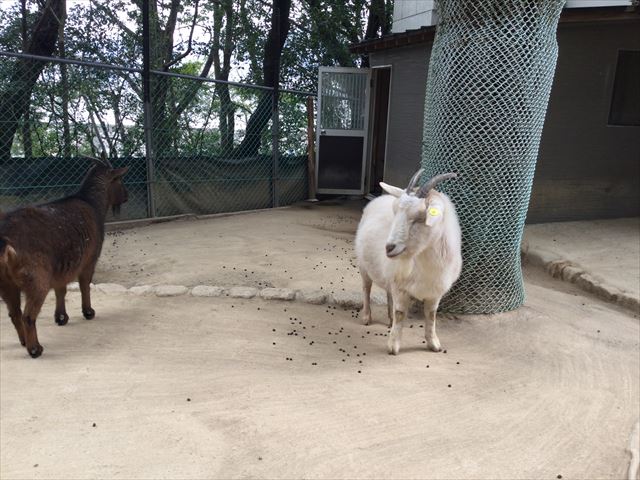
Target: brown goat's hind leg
column 11, row 296
column 61, row 316
column 84, row 279
column 35, row 299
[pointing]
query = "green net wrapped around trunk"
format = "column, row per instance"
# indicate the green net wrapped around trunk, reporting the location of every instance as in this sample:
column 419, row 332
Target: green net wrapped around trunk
column 490, row 76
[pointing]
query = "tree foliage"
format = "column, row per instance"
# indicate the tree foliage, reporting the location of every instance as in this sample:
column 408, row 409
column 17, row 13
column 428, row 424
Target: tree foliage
column 62, row 110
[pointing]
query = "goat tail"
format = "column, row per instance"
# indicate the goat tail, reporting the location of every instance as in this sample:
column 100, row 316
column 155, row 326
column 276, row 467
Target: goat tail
column 7, row 253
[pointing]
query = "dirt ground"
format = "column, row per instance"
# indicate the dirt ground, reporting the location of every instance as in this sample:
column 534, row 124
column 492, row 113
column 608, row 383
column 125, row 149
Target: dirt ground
column 301, row 247
column 187, row 387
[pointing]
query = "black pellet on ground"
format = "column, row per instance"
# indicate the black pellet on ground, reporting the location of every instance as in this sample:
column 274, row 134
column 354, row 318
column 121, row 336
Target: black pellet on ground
column 188, row 399
column 94, row 425
column 449, row 385
column 457, row 363
column 444, row 351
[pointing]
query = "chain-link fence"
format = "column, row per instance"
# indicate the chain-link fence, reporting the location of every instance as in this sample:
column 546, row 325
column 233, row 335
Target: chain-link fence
column 202, row 146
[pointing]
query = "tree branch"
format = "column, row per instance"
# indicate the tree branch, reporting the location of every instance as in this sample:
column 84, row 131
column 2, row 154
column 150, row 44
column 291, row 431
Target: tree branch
column 189, row 44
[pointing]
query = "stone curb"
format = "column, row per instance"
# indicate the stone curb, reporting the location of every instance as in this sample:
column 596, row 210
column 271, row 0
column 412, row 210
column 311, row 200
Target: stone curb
column 171, row 290
column 572, row 273
column 278, row 294
column 348, row 300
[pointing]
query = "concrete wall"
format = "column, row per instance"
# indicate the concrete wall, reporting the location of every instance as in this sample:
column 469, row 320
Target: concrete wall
column 406, row 109
column 586, row 169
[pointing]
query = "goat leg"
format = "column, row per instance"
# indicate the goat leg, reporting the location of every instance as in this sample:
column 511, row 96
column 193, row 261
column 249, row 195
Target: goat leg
column 60, row 315
column 11, row 296
column 430, row 335
column 84, row 279
column 366, row 297
column 400, row 306
column 34, row 300
column 390, row 308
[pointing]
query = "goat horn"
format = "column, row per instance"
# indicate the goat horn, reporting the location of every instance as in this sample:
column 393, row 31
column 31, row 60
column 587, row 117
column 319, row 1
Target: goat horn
column 102, row 161
column 414, row 180
column 105, row 160
column 432, row 182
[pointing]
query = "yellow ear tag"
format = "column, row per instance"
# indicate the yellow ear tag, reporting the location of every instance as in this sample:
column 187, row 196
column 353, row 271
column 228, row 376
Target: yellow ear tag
column 432, row 212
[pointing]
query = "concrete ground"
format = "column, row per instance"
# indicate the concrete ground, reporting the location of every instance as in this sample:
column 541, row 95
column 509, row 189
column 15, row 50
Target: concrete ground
column 187, row 387
column 607, row 249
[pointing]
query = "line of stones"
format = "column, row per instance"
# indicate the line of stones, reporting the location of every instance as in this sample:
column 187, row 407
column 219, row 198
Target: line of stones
column 316, row 297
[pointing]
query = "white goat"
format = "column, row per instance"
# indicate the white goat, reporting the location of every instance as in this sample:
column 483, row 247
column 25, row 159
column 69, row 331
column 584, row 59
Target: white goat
column 409, row 244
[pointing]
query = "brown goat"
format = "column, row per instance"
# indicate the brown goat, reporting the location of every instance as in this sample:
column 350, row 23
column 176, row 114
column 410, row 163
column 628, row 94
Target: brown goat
column 47, row 246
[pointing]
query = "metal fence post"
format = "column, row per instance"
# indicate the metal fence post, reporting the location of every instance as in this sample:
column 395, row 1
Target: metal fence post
column 147, row 111
column 275, row 146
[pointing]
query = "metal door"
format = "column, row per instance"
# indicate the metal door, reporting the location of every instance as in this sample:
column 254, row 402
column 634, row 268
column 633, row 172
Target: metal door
column 343, row 122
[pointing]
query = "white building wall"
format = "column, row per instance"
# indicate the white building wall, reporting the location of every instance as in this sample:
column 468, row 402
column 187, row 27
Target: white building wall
column 414, row 14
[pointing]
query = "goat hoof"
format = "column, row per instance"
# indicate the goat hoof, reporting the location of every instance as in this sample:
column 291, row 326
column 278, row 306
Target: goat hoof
column 36, row 351
column 434, row 345
column 88, row 313
column 61, row 318
column 393, row 347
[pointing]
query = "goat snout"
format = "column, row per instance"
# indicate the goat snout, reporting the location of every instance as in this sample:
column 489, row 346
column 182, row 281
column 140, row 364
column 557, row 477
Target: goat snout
column 394, row 249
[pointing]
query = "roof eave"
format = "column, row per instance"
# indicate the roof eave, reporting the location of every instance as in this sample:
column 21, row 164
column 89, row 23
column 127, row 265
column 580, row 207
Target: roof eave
column 426, row 34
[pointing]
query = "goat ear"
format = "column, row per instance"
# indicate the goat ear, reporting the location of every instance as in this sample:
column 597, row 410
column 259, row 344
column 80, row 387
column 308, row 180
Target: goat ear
column 119, row 172
column 391, row 190
column 435, row 211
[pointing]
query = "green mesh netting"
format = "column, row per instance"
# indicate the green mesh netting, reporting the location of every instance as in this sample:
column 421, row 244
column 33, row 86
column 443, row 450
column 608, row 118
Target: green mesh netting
column 488, row 87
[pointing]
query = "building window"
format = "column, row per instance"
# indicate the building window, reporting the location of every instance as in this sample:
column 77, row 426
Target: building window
column 625, row 102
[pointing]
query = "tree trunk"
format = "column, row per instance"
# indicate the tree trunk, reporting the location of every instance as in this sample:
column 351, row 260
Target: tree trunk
column 376, row 20
column 271, row 74
column 221, row 71
column 27, row 143
column 64, row 83
column 15, row 99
